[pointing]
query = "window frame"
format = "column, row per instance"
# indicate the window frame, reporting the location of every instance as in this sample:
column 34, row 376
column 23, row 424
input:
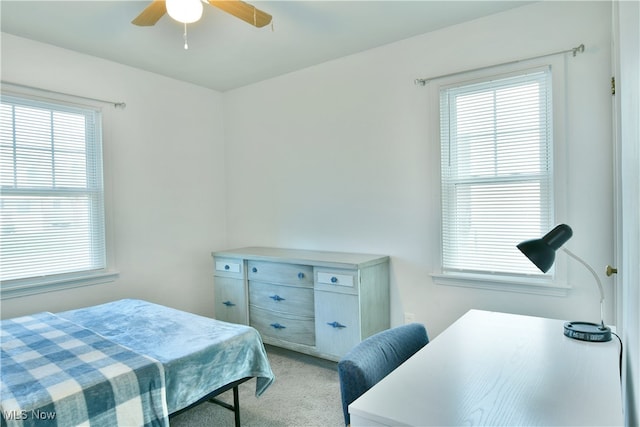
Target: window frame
column 20, row 287
column 551, row 284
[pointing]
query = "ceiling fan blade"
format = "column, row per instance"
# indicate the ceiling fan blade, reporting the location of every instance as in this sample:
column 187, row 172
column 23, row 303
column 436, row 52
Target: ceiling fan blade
column 244, row 11
column 151, row 14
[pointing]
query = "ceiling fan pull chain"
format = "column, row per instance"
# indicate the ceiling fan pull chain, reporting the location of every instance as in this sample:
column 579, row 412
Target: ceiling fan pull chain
column 186, row 44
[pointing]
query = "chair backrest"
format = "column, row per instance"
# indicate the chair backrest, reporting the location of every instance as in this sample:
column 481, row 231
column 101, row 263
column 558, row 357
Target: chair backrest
column 375, row 357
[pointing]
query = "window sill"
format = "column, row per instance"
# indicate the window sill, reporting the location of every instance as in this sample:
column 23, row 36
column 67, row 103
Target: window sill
column 25, row 287
column 502, row 283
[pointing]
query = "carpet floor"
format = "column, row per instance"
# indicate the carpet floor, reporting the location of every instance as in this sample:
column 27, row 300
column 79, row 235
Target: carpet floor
column 306, row 392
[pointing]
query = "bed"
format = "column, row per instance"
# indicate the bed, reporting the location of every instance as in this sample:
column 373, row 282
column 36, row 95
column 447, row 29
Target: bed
column 127, row 362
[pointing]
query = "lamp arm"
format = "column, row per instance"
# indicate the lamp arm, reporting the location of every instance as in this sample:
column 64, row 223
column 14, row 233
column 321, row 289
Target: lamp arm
column 583, row 262
column 595, row 275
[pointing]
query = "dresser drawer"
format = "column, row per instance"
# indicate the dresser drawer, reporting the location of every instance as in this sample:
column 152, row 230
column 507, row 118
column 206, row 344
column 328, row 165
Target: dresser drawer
column 285, row 327
column 274, row 272
column 230, row 300
column 280, row 298
column 228, row 267
column 337, row 322
column 337, row 280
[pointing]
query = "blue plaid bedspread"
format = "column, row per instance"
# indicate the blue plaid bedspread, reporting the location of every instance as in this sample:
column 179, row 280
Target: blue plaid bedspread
column 199, row 354
column 57, row 373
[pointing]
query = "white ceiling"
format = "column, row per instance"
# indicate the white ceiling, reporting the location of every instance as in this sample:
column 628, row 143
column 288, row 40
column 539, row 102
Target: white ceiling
column 225, row 52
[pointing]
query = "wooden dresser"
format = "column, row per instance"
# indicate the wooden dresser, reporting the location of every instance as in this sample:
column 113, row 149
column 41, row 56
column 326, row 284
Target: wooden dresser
column 315, row 302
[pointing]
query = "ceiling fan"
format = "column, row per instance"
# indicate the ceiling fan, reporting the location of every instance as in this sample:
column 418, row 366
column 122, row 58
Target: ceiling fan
column 248, row 13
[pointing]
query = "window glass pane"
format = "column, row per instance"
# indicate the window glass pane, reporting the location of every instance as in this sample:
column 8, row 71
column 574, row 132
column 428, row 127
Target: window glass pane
column 496, row 171
column 70, row 148
column 52, row 218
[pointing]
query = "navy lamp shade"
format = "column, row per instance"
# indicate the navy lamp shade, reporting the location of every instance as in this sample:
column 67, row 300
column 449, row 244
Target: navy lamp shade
column 542, row 252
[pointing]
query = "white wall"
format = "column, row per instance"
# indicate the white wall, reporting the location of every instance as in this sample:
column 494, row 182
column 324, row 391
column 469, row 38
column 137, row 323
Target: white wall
column 164, row 175
column 341, row 156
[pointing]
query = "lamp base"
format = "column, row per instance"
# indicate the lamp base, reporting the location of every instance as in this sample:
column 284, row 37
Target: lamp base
column 585, row 331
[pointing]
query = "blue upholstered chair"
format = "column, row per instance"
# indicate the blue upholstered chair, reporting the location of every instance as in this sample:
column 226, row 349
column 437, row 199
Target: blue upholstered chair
column 375, row 357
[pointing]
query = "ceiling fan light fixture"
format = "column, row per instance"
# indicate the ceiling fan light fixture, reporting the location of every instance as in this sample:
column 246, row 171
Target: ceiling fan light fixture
column 185, row 11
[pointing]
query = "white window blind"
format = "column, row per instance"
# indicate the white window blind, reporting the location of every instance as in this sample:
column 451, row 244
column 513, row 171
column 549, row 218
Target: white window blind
column 496, row 140
column 52, row 198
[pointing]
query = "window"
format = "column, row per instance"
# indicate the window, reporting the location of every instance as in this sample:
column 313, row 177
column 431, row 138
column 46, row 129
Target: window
column 497, row 176
column 52, row 199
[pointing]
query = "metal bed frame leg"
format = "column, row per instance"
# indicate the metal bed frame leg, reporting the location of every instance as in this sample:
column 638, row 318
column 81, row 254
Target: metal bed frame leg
column 211, row 398
column 235, row 407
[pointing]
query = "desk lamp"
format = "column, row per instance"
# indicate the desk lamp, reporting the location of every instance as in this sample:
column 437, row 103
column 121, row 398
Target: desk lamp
column 542, row 252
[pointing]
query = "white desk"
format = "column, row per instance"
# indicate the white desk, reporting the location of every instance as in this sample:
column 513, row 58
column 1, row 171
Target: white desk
column 499, row 369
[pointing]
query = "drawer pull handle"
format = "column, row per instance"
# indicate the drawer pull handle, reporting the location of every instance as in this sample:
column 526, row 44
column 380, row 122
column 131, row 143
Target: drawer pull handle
column 301, row 275
column 337, row 325
column 229, row 304
column 255, row 270
column 277, row 298
column 226, row 266
column 278, row 326
column 334, row 279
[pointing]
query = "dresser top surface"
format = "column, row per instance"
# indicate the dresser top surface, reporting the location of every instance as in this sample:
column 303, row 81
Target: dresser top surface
column 301, row 256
